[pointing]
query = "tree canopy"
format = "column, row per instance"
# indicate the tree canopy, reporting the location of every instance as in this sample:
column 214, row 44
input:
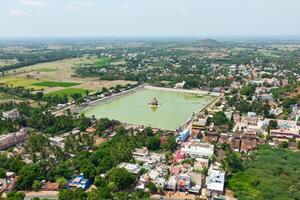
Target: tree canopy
column 271, row 174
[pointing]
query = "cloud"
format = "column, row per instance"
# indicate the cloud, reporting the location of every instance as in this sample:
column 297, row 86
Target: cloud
column 126, row 5
column 17, row 13
column 77, row 5
column 32, row 3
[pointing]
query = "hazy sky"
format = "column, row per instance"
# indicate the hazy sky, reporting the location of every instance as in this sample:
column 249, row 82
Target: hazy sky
column 65, row 18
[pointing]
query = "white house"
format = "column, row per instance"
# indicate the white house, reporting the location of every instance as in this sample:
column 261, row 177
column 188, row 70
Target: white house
column 215, row 181
column 12, row 114
column 198, row 150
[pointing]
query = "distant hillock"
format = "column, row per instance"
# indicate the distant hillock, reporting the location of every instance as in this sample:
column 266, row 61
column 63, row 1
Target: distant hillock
column 207, row 42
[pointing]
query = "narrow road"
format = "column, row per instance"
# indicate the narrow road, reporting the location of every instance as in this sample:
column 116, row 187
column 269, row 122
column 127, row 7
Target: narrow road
column 42, row 195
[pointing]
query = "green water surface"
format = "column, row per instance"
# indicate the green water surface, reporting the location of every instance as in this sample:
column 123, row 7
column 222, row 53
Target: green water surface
column 133, row 108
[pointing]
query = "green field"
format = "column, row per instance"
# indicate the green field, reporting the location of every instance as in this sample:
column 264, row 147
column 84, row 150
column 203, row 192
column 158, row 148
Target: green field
column 68, row 92
column 46, row 70
column 21, row 81
column 102, row 62
column 5, row 96
column 55, row 84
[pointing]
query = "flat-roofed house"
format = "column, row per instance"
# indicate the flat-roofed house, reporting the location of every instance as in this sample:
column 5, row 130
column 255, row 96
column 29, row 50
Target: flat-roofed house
column 12, row 139
column 198, row 150
column 284, row 133
column 235, row 142
column 171, row 183
column 215, row 182
column 201, row 163
column 79, row 182
column 199, row 124
column 57, row 141
column 133, row 168
column 183, row 136
column 183, row 182
column 248, row 143
column 11, row 114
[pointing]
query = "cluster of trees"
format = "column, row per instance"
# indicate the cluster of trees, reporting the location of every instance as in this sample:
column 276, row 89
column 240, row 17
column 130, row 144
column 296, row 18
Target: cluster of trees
column 7, row 126
column 103, row 159
column 152, row 141
column 287, row 100
column 103, row 124
column 219, row 119
column 232, row 161
column 92, row 163
column 244, row 106
column 102, row 194
column 41, row 119
column 25, row 93
column 41, row 56
column 248, row 90
column 194, row 71
column 269, row 174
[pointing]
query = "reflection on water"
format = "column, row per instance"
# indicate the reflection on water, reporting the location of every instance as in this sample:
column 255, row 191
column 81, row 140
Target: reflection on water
column 154, row 108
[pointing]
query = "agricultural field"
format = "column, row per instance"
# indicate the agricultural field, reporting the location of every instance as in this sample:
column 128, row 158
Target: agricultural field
column 102, row 62
column 54, row 77
column 21, row 81
column 6, row 62
column 55, row 84
column 6, row 97
column 47, row 70
column 68, row 92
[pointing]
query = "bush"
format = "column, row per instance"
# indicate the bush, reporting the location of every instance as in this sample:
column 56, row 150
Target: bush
column 36, row 185
column 121, row 178
column 15, row 196
column 152, row 187
column 2, row 173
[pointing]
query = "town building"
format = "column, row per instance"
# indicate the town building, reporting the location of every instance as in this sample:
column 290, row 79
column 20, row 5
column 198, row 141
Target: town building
column 12, row 139
column 133, row 168
column 199, row 124
column 57, row 141
column 79, row 182
column 215, row 182
column 180, row 85
column 183, row 182
column 183, row 136
column 171, row 183
column 178, row 156
column 248, row 143
column 284, row 134
column 197, row 150
column 11, row 114
column 200, row 164
column 143, row 155
column 50, row 186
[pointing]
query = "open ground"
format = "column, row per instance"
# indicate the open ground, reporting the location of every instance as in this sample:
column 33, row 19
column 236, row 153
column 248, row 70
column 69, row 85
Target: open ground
column 58, row 76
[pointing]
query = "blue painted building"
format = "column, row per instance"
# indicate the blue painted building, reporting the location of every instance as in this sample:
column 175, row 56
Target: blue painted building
column 79, row 182
column 183, row 136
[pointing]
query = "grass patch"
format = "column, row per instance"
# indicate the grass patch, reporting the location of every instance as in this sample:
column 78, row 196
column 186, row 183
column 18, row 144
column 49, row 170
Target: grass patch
column 6, row 62
column 55, row 84
column 102, row 62
column 68, row 92
column 4, row 96
column 46, row 70
column 21, row 81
